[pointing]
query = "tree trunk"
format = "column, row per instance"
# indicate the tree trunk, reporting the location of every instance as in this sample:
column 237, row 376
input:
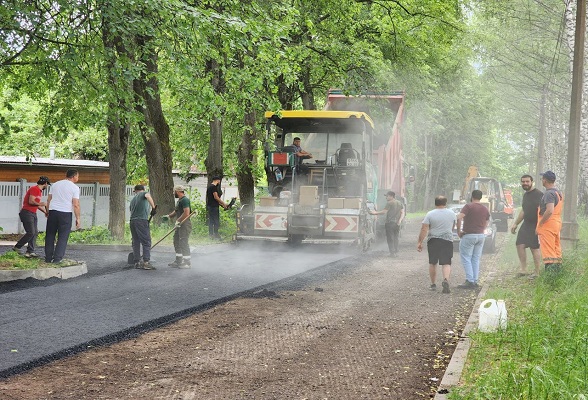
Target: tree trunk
column 246, row 159
column 155, row 132
column 214, row 159
column 428, row 176
column 285, row 95
column 307, row 96
column 118, row 127
column 118, row 142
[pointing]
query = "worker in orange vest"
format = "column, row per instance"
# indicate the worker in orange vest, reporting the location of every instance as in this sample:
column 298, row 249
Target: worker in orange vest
column 549, row 223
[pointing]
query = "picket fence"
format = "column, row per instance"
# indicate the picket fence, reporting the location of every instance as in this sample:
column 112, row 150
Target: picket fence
column 94, row 205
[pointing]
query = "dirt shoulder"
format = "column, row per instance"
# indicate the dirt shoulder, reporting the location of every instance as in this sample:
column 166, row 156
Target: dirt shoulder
column 375, row 331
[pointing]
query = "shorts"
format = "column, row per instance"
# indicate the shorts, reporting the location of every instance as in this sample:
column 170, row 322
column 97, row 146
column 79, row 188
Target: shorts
column 440, row 251
column 527, row 236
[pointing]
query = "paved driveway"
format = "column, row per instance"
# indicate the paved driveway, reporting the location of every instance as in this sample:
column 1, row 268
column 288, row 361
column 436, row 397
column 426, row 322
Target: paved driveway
column 44, row 320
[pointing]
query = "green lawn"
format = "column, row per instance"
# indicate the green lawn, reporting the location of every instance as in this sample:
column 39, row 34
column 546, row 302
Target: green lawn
column 543, row 354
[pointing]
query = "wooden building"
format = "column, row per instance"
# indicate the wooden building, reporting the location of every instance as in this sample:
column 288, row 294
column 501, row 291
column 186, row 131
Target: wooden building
column 13, row 168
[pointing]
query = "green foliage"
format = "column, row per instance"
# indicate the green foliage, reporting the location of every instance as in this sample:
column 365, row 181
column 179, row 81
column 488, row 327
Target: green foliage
column 11, row 260
column 544, row 351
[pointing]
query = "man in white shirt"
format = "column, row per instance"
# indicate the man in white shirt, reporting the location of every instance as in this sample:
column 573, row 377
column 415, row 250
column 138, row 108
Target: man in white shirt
column 64, row 198
column 437, row 228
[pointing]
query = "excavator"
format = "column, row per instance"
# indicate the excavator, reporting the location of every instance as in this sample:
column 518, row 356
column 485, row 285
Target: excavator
column 493, row 197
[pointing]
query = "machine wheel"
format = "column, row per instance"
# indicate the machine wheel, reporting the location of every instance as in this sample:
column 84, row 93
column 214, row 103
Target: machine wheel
column 490, row 246
column 295, row 240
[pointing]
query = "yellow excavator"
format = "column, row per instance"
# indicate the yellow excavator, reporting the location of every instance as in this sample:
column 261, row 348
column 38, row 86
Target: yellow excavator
column 493, row 196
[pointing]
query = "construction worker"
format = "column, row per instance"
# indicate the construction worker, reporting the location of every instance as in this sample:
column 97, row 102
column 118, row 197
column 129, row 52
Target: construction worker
column 549, row 224
column 213, row 202
column 183, row 229
column 28, row 216
column 142, row 206
column 394, row 211
column 63, row 204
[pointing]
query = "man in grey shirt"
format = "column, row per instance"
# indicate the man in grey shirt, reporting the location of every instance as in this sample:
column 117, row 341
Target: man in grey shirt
column 437, row 227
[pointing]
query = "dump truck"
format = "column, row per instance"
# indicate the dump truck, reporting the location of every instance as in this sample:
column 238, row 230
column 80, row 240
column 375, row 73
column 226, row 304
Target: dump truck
column 327, row 198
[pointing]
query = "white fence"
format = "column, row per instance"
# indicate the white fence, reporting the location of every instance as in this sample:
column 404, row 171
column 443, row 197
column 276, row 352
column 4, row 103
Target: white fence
column 94, row 203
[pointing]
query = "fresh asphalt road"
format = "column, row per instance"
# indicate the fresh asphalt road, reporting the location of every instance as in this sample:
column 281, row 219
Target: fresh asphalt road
column 44, row 320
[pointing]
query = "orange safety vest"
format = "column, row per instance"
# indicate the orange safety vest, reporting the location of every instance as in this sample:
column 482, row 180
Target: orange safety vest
column 549, row 234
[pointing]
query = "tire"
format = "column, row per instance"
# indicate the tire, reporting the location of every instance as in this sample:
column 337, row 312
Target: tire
column 295, row 240
column 490, row 246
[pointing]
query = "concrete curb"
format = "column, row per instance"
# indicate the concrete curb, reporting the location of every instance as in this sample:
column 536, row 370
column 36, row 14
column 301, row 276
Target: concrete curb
column 202, row 248
column 454, row 370
column 44, row 273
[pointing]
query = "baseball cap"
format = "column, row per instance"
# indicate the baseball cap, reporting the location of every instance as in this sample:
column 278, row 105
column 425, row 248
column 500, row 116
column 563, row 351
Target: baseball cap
column 139, row 187
column 43, row 180
column 216, row 178
column 179, row 188
column 549, row 175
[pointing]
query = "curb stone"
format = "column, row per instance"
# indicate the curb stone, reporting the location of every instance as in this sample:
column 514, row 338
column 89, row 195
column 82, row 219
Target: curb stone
column 44, row 273
column 454, row 369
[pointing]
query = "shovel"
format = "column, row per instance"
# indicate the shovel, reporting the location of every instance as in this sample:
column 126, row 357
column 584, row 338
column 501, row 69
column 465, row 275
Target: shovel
column 131, row 257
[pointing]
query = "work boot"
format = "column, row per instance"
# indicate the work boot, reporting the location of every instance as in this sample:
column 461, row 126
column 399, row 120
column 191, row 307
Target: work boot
column 186, row 264
column 176, row 263
column 147, row 265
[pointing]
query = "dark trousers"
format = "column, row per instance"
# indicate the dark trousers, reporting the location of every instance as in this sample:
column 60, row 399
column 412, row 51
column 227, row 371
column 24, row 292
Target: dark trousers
column 181, row 236
column 392, row 231
column 58, row 224
column 213, row 220
column 29, row 222
column 141, row 236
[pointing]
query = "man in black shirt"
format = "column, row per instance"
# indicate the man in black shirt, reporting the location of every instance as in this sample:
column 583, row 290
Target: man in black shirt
column 528, row 215
column 213, row 201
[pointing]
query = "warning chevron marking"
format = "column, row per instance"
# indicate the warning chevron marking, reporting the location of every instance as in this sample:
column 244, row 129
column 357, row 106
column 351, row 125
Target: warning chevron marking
column 272, row 222
column 340, row 223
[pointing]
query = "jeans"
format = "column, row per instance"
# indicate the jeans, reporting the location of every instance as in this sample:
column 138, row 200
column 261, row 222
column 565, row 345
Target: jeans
column 141, row 237
column 58, row 224
column 470, row 251
column 213, row 220
column 29, row 222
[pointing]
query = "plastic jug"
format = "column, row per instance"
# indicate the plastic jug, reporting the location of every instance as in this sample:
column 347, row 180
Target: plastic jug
column 493, row 315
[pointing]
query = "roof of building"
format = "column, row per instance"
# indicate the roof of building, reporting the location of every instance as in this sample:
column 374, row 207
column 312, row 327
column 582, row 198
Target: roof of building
column 58, row 162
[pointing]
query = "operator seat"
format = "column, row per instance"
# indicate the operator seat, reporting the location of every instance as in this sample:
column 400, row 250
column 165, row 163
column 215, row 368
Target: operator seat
column 344, row 153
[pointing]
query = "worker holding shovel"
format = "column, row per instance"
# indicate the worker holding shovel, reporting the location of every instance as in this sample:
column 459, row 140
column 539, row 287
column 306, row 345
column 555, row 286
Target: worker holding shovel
column 142, row 209
column 183, row 228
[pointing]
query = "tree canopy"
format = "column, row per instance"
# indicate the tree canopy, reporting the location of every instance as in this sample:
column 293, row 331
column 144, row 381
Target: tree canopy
column 164, row 84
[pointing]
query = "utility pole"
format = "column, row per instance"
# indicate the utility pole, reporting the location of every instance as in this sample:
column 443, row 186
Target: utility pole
column 541, row 139
column 569, row 231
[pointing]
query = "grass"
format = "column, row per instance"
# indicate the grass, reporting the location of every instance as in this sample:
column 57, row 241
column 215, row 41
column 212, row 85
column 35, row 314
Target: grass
column 11, row 260
column 543, row 354
column 101, row 235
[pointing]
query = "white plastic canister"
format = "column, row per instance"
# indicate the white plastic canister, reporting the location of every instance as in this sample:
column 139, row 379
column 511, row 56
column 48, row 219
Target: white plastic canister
column 493, row 315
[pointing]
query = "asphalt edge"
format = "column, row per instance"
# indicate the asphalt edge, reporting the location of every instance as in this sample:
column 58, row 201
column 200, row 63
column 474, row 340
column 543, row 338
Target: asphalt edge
column 295, row 282
column 454, row 370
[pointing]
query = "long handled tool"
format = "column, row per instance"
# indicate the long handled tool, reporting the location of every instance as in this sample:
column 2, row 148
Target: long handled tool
column 131, row 257
column 231, row 203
